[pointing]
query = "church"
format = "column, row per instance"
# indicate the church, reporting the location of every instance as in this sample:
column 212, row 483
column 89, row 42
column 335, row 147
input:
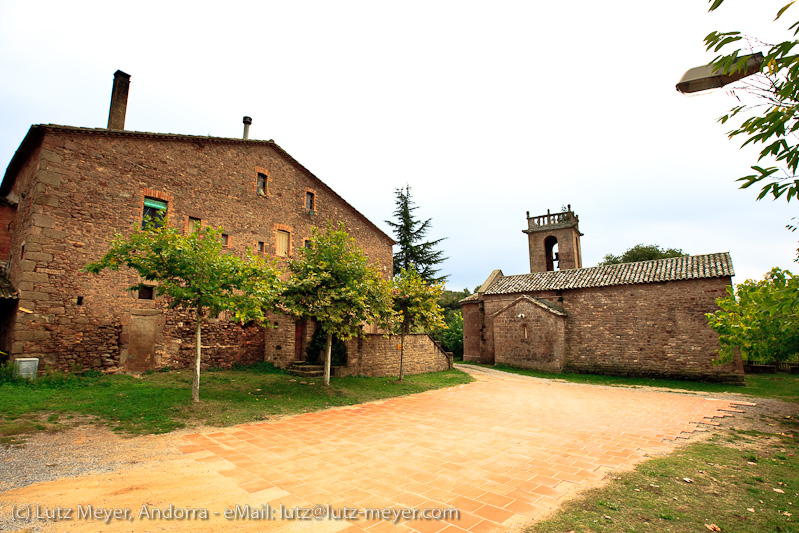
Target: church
column 633, row 319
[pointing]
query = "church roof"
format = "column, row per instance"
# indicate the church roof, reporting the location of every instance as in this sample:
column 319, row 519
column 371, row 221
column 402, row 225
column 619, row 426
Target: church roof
column 656, row 271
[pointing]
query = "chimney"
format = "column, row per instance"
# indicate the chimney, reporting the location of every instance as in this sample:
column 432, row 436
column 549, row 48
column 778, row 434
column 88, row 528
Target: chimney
column 247, row 121
column 119, row 101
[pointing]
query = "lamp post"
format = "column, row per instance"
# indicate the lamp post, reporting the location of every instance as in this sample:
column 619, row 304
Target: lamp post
column 706, row 77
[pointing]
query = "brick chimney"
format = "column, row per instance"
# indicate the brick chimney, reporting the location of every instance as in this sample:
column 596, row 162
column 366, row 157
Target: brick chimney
column 119, row 101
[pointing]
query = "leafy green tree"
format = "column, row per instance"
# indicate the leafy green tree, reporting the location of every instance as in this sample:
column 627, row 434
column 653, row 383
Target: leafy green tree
column 450, row 300
column 451, row 335
column 334, row 284
column 771, row 117
column 641, row 252
column 410, row 234
column 759, row 319
column 416, row 304
column 194, row 273
column 338, row 351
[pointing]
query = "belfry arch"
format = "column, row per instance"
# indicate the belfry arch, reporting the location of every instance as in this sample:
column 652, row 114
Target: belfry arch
column 554, row 241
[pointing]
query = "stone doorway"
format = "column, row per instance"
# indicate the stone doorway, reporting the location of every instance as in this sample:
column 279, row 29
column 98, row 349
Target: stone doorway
column 145, row 328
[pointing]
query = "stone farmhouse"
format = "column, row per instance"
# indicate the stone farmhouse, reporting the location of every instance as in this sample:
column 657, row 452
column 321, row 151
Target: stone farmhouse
column 68, row 189
column 640, row 319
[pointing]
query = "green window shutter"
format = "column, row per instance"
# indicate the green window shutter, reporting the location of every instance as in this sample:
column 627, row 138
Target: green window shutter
column 155, row 204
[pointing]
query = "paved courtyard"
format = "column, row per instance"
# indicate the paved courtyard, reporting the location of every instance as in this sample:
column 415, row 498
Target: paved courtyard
column 502, row 451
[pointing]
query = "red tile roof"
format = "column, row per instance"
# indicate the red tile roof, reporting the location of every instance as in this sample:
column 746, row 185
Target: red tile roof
column 659, row 270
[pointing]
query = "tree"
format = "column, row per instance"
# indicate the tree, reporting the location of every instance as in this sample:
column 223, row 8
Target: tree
column 450, row 300
column 759, row 319
column 451, row 335
column 334, row 284
column 772, row 118
column 416, row 303
column 194, row 273
column 641, row 252
column 410, row 234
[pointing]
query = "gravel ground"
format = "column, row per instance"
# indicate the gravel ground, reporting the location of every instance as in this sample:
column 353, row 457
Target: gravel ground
column 77, row 451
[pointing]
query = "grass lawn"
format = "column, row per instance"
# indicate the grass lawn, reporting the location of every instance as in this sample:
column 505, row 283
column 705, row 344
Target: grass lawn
column 738, row 480
column 159, row 402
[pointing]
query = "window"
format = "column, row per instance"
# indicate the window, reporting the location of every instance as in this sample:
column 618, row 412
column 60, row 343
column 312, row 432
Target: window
column 154, row 212
column 225, row 240
column 261, row 247
column 194, row 224
column 261, row 184
column 146, row 293
column 310, row 201
column 283, row 240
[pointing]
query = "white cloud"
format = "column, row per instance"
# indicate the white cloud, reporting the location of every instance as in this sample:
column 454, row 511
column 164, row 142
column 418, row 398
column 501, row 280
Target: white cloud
column 487, row 110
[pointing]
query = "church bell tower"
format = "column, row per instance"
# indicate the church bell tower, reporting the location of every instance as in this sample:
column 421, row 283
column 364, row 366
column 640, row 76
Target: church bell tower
column 554, row 241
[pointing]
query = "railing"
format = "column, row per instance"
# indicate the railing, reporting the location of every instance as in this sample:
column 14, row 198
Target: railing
column 550, row 219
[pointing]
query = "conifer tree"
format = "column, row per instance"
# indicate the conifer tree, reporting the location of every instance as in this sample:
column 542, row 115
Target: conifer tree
column 410, row 234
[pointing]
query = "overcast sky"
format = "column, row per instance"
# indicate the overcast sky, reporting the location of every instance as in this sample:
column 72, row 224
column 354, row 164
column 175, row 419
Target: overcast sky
column 486, row 109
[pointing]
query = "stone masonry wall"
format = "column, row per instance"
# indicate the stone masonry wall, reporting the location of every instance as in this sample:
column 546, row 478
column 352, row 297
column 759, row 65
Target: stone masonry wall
column 76, row 189
column 280, row 341
column 654, row 329
column 491, row 305
column 473, row 322
column 376, row 355
column 527, row 336
column 7, row 215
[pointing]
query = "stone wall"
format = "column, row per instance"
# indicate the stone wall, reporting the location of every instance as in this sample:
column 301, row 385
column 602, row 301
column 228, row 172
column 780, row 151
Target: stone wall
column 77, row 187
column 652, row 329
column 280, row 346
column 473, row 325
column 527, row 335
column 376, row 355
column 7, row 215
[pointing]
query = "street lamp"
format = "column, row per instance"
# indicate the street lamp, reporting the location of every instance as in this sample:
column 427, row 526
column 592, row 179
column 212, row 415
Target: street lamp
column 706, row 77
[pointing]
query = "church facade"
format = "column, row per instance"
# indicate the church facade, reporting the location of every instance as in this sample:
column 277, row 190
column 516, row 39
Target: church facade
column 635, row 319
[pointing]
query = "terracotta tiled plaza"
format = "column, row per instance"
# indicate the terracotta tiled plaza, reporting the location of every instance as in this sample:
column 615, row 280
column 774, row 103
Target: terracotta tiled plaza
column 502, row 451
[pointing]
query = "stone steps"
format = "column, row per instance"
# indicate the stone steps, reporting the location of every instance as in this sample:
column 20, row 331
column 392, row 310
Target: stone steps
column 306, row 371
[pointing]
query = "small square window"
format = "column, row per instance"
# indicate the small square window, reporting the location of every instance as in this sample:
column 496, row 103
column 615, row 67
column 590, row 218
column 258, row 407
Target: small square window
column 225, row 240
column 154, row 213
column 146, row 293
column 307, row 244
column 261, row 247
column 261, row 184
column 283, row 240
column 310, row 201
column 194, row 224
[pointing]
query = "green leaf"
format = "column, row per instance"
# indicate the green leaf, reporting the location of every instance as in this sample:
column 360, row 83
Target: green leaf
column 784, row 9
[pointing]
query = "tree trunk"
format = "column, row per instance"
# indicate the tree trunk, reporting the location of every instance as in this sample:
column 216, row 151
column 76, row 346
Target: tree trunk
column 328, row 357
column 195, row 388
column 402, row 355
column 406, row 328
